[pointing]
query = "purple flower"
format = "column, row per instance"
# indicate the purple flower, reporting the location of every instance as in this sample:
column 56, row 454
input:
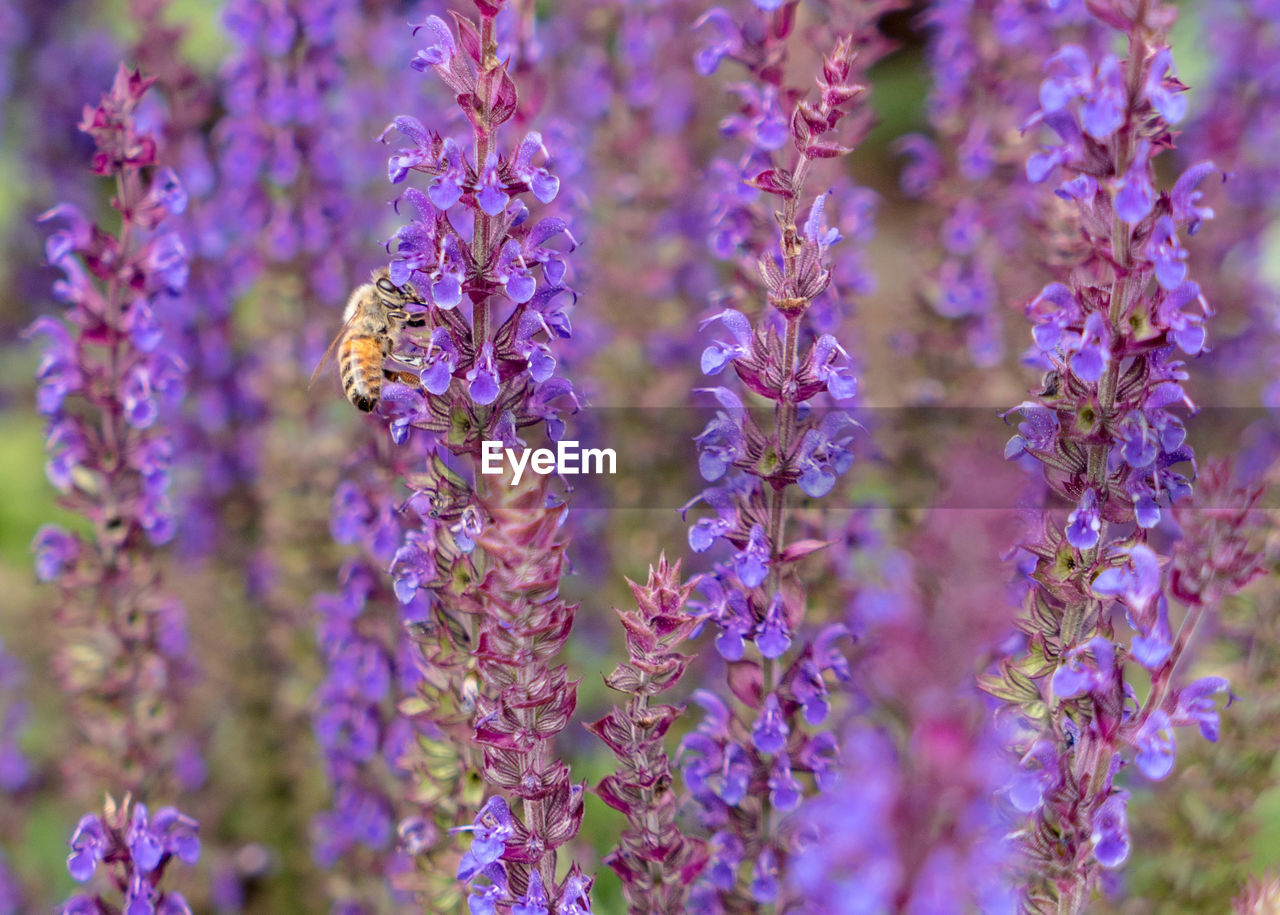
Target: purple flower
column 1134, row 195
column 1136, row 580
column 1084, row 523
column 1195, row 705
column 725, row 40
column 1168, row 256
column 144, row 845
column 764, row 876
column 1165, row 92
column 1076, row 676
column 441, row 48
column 542, row 183
column 56, row 550
column 491, row 829
column 751, row 563
column 1156, row 746
column 716, row 356
column 769, row 733
column 491, row 196
column 483, row 377
column 534, row 902
column 1110, row 835
column 89, row 844
column 773, row 638
column 785, row 793
column 735, row 775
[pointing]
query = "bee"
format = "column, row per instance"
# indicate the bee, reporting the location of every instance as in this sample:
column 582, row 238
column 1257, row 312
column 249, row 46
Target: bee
column 372, row 323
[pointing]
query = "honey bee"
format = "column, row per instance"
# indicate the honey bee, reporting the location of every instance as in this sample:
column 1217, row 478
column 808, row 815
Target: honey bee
column 374, row 318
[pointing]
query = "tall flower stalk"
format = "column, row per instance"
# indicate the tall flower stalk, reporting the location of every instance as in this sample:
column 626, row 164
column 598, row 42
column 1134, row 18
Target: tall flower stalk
column 742, row 764
column 491, row 283
column 102, row 383
column 1105, row 431
column 654, row 860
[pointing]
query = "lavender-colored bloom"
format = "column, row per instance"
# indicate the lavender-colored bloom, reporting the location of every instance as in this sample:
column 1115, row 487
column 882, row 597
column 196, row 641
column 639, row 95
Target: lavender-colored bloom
column 1125, row 442
column 137, row 849
column 1156, row 746
column 493, row 362
column 1111, row 831
column 105, row 384
column 770, row 731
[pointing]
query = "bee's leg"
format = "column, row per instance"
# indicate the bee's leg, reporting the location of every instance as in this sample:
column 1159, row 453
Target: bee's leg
column 403, row 378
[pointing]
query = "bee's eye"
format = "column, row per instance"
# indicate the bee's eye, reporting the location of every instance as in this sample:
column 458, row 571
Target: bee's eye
column 385, row 285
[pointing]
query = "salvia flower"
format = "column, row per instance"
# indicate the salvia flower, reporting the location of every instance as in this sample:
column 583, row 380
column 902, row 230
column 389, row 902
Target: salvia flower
column 740, row 765
column 103, row 383
column 493, row 285
column 136, row 848
column 1109, row 339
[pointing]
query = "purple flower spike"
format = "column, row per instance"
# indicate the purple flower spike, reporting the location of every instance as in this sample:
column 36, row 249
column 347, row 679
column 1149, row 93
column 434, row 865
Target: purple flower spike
column 136, row 855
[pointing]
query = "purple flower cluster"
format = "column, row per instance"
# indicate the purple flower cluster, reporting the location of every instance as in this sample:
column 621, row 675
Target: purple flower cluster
column 491, row 284
column 103, row 383
column 136, row 849
column 1105, row 431
column 743, row 770
column 909, row 814
column 987, row 225
column 274, row 139
column 210, row 428
column 368, row 667
column 1233, row 124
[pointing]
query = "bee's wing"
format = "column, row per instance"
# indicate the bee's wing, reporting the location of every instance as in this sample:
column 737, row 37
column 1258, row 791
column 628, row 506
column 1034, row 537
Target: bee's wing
column 329, row 352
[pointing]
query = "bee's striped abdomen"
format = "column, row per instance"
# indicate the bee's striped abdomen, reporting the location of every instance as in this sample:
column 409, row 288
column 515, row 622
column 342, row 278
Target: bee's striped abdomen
column 360, row 362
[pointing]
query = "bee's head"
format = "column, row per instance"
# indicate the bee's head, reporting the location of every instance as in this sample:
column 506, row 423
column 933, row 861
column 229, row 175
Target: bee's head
column 393, row 296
